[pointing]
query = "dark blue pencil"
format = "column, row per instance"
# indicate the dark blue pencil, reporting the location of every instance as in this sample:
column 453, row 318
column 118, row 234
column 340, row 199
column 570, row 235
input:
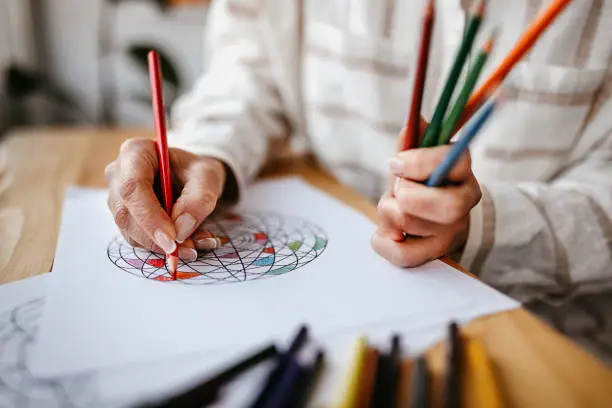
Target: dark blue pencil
column 307, row 382
column 286, row 386
column 280, row 368
column 207, row 392
column 458, row 148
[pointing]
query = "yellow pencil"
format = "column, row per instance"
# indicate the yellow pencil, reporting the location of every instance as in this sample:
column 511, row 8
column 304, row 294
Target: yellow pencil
column 481, row 389
column 350, row 392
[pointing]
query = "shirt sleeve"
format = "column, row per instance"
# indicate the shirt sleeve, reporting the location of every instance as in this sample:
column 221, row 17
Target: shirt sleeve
column 550, row 240
column 235, row 110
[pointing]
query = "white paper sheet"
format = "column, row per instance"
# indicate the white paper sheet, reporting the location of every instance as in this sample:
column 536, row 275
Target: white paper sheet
column 99, row 315
column 21, row 306
column 22, row 303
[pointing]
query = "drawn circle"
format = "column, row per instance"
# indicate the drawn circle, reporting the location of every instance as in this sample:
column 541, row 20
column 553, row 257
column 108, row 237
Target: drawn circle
column 251, row 246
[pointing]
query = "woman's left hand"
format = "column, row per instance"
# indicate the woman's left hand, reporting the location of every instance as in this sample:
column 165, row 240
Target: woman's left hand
column 416, row 223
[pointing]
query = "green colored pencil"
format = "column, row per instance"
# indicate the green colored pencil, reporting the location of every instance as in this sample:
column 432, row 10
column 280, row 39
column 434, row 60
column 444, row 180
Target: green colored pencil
column 450, row 124
column 433, row 130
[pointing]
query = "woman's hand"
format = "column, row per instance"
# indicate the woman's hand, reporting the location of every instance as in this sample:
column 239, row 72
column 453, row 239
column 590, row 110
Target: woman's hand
column 198, row 183
column 434, row 220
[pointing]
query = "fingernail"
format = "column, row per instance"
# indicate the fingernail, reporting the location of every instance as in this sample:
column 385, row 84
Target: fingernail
column 184, row 227
column 187, row 254
column 164, row 242
column 396, row 186
column 207, row 243
column 395, row 165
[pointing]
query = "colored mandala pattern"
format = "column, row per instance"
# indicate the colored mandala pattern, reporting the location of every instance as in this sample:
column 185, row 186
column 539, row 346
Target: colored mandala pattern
column 252, row 246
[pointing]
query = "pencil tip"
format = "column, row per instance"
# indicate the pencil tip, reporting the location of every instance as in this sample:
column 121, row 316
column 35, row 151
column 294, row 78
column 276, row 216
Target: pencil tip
column 173, row 265
column 495, row 33
column 429, row 7
column 479, row 8
column 490, row 42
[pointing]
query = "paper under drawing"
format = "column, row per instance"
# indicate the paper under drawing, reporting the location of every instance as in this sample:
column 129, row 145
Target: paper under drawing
column 253, row 246
column 21, row 306
column 98, row 315
column 20, row 311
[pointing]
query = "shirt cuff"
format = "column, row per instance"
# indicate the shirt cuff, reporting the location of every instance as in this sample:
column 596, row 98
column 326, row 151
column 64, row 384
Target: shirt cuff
column 474, row 239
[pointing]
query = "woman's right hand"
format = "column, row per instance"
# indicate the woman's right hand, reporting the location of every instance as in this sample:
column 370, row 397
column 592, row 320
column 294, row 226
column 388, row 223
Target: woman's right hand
column 136, row 207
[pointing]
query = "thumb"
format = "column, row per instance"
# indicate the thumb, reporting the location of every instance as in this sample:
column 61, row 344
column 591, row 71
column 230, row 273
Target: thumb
column 203, row 184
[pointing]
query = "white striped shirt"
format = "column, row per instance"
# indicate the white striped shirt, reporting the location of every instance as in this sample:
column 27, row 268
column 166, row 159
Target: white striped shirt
column 334, row 78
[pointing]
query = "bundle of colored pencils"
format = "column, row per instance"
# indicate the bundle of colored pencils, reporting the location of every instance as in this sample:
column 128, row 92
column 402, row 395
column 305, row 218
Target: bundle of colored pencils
column 383, row 380
column 445, row 122
column 468, row 377
column 374, row 376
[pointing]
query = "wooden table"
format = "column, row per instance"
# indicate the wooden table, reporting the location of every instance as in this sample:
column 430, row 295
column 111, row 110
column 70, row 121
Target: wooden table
column 535, row 365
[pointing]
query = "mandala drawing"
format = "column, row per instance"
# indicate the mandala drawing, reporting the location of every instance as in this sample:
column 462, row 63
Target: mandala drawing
column 252, row 246
column 18, row 386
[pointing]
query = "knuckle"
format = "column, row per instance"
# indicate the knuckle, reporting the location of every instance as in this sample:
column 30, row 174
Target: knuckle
column 127, row 188
column 135, row 144
column 122, row 217
column 398, row 255
column 417, row 164
column 376, row 242
column 467, row 161
column 128, row 238
column 406, row 221
column 477, row 194
column 387, row 211
column 208, row 197
column 383, row 208
column 453, row 211
column 408, row 203
column 201, row 196
column 403, row 258
column 210, row 174
column 109, row 171
column 132, row 242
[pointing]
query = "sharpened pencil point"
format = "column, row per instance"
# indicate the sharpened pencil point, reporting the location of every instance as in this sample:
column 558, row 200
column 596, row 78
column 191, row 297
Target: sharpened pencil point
column 173, row 265
column 480, row 7
column 429, row 7
column 490, row 42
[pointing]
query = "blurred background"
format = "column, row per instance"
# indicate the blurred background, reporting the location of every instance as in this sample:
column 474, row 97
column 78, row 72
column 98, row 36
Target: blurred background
column 84, row 61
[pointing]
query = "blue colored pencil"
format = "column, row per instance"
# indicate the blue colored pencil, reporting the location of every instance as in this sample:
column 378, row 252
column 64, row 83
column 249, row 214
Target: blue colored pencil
column 286, row 386
column 307, row 382
column 462, row 144
column 280, row 368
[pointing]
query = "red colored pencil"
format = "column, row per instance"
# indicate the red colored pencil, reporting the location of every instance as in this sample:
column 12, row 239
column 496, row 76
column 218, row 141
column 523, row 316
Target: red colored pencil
column 159, row 117
column 413, row 125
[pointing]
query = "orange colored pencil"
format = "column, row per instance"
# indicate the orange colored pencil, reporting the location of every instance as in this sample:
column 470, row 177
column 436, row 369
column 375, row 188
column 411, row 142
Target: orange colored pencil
column 368, row 376
column 524, row 44
column 413, row 126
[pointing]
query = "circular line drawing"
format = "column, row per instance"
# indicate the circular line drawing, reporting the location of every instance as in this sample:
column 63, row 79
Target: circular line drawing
column 252, row 246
